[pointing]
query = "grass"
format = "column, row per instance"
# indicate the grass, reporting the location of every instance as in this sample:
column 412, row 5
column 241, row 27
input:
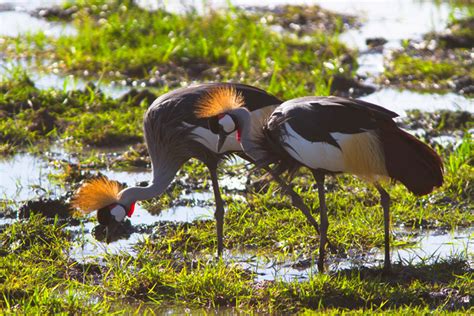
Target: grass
column 267, row 221
column 426, row 71
column 31, row 115
column 48, row 280
column 419, row 68
column 117, row 40
column 125, row 41
column 175, row 268
column 441, row 63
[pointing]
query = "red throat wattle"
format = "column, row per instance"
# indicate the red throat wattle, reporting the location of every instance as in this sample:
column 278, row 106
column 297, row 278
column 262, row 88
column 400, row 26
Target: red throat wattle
column 238, row 135
column 132, row 209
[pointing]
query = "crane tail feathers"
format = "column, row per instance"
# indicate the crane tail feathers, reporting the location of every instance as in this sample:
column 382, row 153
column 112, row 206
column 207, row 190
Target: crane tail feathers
column 411, row 161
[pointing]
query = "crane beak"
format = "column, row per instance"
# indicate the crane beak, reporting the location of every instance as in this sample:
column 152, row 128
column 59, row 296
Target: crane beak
column 221, row 140
column 110, row 231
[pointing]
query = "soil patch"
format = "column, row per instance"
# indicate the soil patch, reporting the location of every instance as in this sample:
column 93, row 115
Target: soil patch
column 50, row 208
column 438, row 63
column 303, row 19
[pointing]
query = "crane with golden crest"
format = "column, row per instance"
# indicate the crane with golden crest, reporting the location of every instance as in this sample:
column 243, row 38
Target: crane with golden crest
column 173, row 135
column 332, row 135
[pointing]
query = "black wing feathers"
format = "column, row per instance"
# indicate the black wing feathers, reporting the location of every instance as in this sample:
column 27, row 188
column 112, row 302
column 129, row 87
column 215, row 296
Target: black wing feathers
column 185, row 99
column 315, row 118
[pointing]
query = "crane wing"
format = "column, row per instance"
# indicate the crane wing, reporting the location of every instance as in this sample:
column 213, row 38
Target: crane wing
column 315, row 118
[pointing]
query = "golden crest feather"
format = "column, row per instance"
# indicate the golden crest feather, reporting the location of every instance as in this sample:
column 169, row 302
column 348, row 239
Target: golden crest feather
column 96, row 194
column 218, row 101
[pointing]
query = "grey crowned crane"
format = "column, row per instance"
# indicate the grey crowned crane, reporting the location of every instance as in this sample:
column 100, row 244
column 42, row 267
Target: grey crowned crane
column 331, row 135
column 173, row 135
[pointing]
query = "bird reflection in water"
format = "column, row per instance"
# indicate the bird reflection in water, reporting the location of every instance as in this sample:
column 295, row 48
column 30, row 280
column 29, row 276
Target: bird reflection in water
column 109, row 231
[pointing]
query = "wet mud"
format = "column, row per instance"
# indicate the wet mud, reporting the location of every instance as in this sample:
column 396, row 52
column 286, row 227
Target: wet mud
column 459, row 34
column 182, row 209
column 49, row 208
column 446, row 58
column 303, row 20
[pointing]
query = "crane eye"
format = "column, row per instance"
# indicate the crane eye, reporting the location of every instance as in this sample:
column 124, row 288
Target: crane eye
column 214, row 125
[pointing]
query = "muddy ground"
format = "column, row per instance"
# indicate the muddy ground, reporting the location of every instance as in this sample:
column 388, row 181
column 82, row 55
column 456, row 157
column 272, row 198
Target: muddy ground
column 55, row 136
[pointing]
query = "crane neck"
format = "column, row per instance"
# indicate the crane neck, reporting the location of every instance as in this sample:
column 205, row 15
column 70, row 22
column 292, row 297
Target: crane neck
column 248, row 135
column 161, row 180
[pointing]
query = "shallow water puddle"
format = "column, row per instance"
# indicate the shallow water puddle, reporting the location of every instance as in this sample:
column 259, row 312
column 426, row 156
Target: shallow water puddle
column 449, row 140
column 371, row 65
column 400, row 101
column 15, row 23
column 269, row 269
column 430, row 246
column 87, row 249
column 180, row 213
column 30, row 4
column 392, row 19
column 433, row 245
column 233, row 183
column 182, row 6
column 186, row 214
column 396, row 20
column 47, row 80
column 24, row 176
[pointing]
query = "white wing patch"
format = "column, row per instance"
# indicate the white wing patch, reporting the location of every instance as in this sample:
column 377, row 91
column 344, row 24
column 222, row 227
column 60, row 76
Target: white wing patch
column 360, row 154
column 313, row 154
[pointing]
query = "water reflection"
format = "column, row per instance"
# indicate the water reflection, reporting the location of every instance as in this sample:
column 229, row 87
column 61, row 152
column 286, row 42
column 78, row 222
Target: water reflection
column 15, row 23
column 428, row 247
column 24, row 176
column 30, row 4
column 401, row 100
column 393, row 19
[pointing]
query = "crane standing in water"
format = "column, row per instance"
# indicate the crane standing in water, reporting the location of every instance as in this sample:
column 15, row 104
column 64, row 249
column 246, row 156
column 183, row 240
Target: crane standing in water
column 332, row 135
column 173, row 135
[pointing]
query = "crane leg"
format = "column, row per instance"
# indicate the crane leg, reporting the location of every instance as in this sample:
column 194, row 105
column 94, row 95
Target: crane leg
column 385, row 201
column 296, row 200
column 323, row 219
column 219, row 214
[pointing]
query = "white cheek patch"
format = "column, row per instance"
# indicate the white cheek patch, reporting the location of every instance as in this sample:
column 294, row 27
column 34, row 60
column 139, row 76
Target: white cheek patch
column 227, row 123
column 118, row 212
column 209, row 139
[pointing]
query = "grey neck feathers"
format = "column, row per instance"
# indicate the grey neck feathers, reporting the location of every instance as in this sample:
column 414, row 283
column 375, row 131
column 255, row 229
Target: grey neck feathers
column 248, row 135
column 161, row 180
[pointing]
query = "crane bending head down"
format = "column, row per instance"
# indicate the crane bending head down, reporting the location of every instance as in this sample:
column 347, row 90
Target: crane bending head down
column 103, row 195
column 174, row 134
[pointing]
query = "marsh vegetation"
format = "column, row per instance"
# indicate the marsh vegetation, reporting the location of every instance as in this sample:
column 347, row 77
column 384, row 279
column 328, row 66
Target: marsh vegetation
column 112, row 61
